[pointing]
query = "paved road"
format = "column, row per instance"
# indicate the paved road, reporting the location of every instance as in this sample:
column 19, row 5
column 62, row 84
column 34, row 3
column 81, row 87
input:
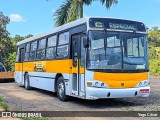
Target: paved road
column 37, row 100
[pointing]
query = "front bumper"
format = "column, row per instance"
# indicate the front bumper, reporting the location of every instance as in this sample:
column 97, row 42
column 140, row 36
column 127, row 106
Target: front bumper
column 98, row 93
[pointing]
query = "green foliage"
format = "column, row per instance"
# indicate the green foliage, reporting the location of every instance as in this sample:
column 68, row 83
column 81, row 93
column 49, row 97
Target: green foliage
column 3, row 104
column 154, row 37
column 71, row 10
column 8, row 44
column 11, row 61
column 8, row 48
column 154, row 51
column 4, row 20
column 154, row 67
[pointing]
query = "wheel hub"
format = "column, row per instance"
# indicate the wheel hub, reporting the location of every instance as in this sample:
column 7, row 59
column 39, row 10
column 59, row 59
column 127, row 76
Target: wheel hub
column 61, row 89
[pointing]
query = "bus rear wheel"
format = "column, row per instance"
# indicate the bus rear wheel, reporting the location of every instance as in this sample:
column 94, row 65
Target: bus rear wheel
column 61, row 90
column 26, row 82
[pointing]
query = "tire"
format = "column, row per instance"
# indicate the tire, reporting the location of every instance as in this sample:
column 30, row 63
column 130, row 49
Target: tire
column 61, row 90
column 26, row 82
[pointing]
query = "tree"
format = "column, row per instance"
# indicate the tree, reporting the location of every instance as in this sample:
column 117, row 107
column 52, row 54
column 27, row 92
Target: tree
column 154, row 51
column 4, row 20
column 73, row 9
column 5, row 43
column 154, row 37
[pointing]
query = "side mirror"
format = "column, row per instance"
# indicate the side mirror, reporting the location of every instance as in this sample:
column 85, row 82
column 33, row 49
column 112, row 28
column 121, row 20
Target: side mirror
column 85, row 42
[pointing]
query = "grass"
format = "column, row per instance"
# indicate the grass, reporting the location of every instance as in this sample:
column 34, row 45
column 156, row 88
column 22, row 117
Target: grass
column 3, row 104
column 158, row 109
column 127, row 108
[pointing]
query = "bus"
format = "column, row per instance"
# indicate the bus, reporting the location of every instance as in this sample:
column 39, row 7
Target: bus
column 89, row 58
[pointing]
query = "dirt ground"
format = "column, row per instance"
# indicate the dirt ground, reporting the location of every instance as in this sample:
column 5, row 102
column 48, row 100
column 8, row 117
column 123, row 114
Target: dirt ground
column 20, row 99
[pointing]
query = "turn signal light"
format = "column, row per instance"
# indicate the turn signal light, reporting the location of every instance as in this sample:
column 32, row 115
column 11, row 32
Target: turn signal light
column 89, row 83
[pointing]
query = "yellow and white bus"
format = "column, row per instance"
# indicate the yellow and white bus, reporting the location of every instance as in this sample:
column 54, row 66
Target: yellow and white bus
column 90, row 58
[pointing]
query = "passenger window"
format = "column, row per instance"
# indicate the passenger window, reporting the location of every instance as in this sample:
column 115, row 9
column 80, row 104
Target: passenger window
column 50, row 53
column 17, row 55
column 62, row 51
column 42, row 44
column 34, row 46
column 62, row 48
column 26, row 58
column 41, row 49
column 63, row 38
column 52, row 41
column 51, row 47
column 33, row 50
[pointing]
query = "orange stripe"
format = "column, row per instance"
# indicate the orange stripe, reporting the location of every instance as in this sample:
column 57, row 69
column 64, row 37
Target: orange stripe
column 54, row 66
column 114, row 80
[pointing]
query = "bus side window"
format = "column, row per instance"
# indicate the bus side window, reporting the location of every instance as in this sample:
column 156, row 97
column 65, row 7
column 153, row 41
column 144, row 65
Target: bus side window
column 33, row 51
column 41, row 49
column 51, row 47
column 17, row 55
column 62, row 48
column 26, row 58
column 22, row 54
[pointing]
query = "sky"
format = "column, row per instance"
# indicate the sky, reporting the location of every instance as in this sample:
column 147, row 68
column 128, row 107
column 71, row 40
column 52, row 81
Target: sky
column 36, row 16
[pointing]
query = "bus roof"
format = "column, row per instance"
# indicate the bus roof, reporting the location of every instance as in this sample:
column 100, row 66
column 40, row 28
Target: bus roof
column 64, row 27
column 57, row 29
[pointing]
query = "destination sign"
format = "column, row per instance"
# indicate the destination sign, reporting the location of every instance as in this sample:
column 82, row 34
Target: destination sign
column 121, row 24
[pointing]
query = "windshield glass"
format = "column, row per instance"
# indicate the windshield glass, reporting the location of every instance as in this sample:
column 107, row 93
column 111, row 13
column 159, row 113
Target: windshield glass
column 117, row 50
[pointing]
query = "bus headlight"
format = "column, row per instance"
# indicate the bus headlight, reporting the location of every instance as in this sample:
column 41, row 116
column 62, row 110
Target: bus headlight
column 145, row 83
column 102, row 84
column 140, row 84
column 96, row 84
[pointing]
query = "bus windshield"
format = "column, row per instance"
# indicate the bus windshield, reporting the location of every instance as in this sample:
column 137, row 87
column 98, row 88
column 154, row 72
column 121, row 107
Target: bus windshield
column 117, row 51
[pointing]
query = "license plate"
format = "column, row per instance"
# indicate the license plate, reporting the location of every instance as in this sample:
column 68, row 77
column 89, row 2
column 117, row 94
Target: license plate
column 142, row 91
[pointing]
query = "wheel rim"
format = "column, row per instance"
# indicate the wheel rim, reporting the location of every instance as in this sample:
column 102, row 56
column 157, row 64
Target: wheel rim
column 61, row 89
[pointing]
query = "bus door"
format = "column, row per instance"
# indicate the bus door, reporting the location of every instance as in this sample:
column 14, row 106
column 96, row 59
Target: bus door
column 78, row 80
column 21, row 59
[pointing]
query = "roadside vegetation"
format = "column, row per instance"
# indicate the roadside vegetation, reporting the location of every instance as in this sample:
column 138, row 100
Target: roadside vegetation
column 154, row 51
column 5, row 107
column 3, row 104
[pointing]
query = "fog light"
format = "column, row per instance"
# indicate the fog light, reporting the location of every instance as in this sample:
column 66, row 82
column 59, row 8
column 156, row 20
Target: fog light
column 96, row 83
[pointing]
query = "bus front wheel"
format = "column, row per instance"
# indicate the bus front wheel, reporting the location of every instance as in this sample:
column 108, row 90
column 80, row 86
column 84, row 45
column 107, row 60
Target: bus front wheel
column 61, row 90
column 26, row 81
